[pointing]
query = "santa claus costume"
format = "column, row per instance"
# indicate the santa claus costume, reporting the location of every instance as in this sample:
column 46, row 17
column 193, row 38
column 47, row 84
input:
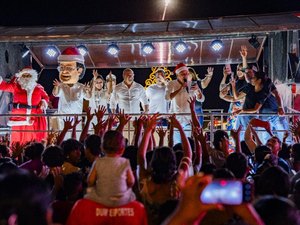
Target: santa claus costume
column 29, row 98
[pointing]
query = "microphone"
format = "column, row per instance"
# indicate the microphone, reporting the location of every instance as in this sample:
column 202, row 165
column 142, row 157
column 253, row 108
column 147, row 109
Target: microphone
column 187, row 88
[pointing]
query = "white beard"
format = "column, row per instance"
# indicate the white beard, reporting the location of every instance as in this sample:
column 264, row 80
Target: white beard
column 26, row 84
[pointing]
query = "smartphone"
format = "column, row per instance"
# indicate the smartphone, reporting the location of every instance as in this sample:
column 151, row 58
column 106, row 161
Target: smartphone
column 228, row 68
column 227, row 192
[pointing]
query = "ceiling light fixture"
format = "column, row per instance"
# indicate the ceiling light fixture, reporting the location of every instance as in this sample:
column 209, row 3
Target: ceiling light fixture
column 25, row 51
column 83, row 50
column 113, row 49
column 181, row 46
column 52, row 51
column 254, row 42
column 148, row 48
column 216, row 45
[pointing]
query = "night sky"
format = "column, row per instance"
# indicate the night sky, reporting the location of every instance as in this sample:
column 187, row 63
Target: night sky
column 66, row 12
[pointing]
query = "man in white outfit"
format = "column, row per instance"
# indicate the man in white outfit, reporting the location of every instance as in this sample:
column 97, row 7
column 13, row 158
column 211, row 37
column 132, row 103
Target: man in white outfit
column 179, row 91
column 128, row 95
column 156, row 93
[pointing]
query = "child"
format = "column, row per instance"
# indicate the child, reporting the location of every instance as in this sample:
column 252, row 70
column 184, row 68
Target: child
column 111, row 175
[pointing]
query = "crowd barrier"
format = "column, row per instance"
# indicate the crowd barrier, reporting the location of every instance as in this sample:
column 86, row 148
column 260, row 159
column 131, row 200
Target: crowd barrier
column 213, row 119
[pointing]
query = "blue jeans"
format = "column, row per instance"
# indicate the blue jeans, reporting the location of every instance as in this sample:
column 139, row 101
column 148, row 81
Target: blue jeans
column 243, row 121
column 277, row 123
column 200, row 118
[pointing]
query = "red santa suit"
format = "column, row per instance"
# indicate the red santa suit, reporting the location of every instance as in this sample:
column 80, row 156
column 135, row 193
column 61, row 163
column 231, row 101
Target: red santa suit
column 26, row 128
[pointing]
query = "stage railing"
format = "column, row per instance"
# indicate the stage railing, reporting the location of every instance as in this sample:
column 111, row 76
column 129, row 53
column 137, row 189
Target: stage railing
column 213, row 119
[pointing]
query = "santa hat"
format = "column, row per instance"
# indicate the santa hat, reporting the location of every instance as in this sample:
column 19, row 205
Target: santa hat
column 28, row 69
column 71, row 54
column 180, row 67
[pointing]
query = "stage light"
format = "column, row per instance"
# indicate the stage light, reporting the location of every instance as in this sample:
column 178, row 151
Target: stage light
column 216, row 45
column 113, row 49
column 83, row 50
column 25, row 51
column 180, row 46
column 254, row 42
column 52, row 51
column 148, row 48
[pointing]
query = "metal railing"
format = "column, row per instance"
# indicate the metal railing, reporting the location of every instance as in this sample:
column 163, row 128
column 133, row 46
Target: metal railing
column 210, row 116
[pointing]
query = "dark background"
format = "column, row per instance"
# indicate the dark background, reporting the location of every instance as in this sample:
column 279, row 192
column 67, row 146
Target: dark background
column 63, row 12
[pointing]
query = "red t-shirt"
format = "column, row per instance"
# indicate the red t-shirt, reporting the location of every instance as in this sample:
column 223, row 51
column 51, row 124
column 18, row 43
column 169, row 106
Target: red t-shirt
column 87, row 212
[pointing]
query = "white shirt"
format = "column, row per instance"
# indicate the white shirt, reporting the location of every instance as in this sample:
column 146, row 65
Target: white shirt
column 128, row 98
column 157, row 101
column 179, row 104
column 99, row 98
column 70, row 98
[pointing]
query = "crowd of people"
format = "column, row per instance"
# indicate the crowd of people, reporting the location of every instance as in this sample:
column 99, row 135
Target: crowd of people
column 94, row 175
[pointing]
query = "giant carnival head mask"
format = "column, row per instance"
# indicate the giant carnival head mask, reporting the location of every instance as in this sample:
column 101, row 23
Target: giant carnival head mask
column 71, row 66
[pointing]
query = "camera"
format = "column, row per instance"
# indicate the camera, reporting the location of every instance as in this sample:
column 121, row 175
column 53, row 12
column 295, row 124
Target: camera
column 227, row 192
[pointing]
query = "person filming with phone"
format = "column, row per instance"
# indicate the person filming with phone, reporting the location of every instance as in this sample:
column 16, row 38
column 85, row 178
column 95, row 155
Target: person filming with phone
column 198, row 198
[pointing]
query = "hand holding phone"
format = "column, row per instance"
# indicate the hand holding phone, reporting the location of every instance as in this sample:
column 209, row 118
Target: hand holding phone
column 227, row 192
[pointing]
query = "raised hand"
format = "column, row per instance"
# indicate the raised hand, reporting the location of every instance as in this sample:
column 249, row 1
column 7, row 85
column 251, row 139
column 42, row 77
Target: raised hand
column 100, row 127
column 295, row 129
column 76, row 121
column 52, row 137
column 161, row 131
column 152, row 121
column 123, row 118
column 56, row 83
column 175, row 122
column 111, row 120
column 140, row 121
column 89, row 115
column 100, row 112
column 95, row 74
column 244, row 51
column 191, row 102
column 236, row 133
column 68, row 123
column 210, row 71
column 17, row 148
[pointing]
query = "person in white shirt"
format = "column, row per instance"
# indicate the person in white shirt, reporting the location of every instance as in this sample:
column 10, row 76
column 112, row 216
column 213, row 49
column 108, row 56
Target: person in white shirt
column 156, row 93
column 179, row 91
column 70, row 92
column 99, row 95
column 128, row 95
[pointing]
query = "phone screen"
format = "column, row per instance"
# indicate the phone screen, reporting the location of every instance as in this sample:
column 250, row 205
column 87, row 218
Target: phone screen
column 228, row 192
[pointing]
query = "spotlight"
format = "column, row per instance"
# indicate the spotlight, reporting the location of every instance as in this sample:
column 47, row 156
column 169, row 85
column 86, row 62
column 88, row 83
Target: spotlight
column 216, row 45
column 254, row 42
column 83, row 50
column 25, row 51
column 181, row 46
column 148, row 48
column 113, row 49
column 52, row 51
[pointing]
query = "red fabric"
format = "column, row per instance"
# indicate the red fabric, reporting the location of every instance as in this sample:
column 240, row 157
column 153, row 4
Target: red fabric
column 297, row 105
column 39, row 123
column 61, row 211
column 92, row 213
column 71, row 51
column 179, row 66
